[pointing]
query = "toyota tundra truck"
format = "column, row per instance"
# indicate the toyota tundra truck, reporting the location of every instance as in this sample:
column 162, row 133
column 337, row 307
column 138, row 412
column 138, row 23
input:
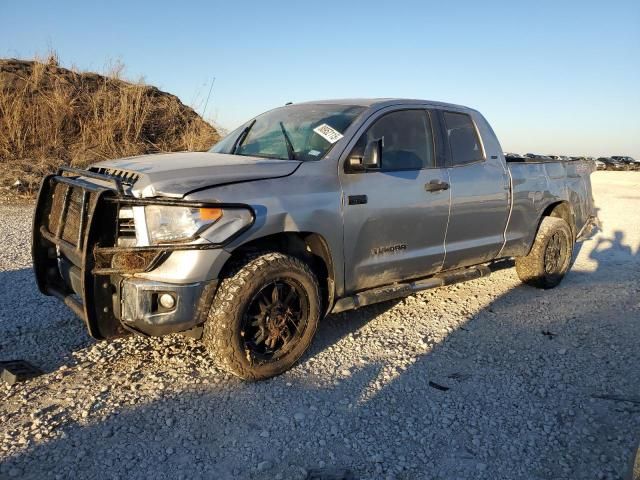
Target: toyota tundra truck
column 305, row 210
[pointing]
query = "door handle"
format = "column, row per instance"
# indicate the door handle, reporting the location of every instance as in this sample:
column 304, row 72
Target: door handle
column 436, row 186
column 357, row 199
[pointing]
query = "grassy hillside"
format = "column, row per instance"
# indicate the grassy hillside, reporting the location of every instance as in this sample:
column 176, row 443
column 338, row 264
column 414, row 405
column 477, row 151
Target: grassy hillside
column 52, row 116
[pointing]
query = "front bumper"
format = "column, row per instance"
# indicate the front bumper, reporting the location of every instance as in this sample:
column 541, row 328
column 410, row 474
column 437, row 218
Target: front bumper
column 142, row 312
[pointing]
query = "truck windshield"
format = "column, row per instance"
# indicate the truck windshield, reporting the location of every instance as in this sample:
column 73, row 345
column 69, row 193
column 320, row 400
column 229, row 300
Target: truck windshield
column 295, row 132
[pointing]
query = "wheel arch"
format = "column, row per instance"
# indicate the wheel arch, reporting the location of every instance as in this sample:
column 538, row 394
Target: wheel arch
column 561, row 209
column 309, row 247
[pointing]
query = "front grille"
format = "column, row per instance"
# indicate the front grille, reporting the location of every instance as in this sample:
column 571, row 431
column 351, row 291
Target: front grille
column 126, row 227
column 126, row 177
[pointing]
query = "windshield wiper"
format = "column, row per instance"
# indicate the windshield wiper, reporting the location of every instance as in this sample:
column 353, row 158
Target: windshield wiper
column 238, row 143
column 290, row 151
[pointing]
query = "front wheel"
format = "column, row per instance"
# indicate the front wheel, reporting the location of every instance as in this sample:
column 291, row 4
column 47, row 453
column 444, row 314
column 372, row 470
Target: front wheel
column 264, row 316
column 550, row 257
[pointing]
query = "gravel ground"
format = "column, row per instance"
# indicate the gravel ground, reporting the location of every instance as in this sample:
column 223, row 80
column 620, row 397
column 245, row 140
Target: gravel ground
column 523, row 368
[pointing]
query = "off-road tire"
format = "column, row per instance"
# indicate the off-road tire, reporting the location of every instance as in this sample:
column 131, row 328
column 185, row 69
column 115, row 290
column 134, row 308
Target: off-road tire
column 535, row 269
column 222, row 330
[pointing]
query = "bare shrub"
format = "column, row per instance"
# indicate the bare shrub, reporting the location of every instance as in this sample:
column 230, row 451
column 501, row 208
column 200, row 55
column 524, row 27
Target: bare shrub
column 51, row 116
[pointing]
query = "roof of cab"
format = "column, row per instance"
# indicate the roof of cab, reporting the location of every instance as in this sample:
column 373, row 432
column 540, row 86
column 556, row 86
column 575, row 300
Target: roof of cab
column 384, row 102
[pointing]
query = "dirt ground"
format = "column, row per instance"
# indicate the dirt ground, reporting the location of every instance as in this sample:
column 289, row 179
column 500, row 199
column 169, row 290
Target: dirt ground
column 534, row 384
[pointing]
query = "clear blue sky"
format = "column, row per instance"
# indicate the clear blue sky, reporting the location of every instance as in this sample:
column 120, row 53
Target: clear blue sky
column 551, row 76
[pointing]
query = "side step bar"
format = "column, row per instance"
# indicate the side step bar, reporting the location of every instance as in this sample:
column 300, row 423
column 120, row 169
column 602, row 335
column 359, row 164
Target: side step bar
column 399, row 290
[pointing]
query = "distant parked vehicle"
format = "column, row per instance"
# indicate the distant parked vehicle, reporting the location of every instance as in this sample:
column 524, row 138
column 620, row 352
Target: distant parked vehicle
column 559, row 158
column 612, row 164
column 538, row 156
column 623, row 159
column 510, row 156
column 629, row 162
column 600, row 165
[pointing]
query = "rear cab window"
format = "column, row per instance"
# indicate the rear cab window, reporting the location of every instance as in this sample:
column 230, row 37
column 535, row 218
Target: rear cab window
column 462, row 137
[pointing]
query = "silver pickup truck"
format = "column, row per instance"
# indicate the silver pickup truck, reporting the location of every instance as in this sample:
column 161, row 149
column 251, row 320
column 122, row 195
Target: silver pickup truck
column 304, row 210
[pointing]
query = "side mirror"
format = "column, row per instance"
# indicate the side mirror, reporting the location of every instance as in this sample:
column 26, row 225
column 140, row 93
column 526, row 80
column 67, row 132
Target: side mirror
column 372, row 154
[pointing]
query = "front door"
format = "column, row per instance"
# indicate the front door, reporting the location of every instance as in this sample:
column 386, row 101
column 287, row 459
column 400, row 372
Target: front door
column 395, row 217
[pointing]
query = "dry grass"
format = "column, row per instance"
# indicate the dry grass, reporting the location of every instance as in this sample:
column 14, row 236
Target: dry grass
column 51, row 116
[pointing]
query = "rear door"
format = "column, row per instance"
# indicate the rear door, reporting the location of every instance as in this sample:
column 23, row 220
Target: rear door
column 394, row 228
column 479, row 190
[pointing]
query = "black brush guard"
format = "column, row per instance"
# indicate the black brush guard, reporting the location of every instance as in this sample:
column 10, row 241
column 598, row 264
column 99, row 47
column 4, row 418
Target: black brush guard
column 75, row 230
column 72, row 217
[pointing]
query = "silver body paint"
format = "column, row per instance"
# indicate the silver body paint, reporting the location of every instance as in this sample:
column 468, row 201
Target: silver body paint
column 491, row 210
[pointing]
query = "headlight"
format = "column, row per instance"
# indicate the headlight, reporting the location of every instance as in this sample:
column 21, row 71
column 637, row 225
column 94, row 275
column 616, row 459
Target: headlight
column 166, row 224
column 173, row 224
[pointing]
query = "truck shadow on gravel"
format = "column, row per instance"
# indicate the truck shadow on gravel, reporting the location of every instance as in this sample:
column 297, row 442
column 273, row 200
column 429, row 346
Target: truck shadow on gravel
column 30, row 317
column 509, row 393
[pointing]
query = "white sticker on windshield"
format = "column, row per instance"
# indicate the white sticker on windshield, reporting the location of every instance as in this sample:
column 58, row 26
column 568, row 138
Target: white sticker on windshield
column 328, row 133
column 314, row 153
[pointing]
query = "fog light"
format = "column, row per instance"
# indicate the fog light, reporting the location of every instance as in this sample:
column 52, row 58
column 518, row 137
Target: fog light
column 167, row 301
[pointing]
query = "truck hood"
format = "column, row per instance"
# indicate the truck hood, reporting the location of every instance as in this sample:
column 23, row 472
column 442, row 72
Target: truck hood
column 177, row 174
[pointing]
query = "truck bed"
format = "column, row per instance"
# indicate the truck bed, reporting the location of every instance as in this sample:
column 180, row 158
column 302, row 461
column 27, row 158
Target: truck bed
column 537, row 183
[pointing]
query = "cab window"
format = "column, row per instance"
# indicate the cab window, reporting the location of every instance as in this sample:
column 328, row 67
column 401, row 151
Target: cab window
column 407, row 140
column 463, row 139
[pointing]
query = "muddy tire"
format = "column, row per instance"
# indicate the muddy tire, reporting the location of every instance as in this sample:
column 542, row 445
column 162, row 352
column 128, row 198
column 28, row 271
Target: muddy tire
column 263, row 316
column 550, row 257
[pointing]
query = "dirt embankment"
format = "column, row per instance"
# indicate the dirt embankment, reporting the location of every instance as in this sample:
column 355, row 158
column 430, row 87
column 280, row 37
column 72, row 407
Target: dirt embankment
column 52, row 116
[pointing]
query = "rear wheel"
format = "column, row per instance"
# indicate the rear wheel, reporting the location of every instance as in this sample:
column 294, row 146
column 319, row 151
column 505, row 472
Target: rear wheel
column 264, row 316
column 550, row 257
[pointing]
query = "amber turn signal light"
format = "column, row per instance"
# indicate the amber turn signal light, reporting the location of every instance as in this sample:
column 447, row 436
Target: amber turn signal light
column 210, row 214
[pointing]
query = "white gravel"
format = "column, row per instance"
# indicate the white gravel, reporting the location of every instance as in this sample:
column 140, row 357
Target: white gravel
column 520, row 403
